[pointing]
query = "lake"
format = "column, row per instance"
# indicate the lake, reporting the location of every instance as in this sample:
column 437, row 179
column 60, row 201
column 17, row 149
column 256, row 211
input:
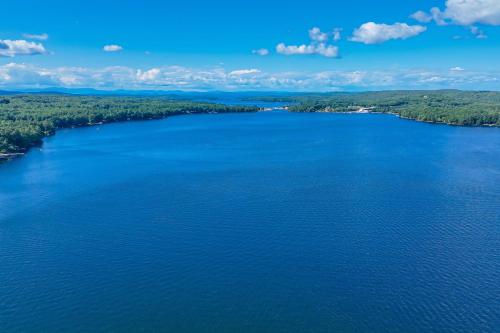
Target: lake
column 260, row 222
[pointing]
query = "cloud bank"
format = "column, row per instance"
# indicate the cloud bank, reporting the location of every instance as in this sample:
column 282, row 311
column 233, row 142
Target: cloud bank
column 24, row 76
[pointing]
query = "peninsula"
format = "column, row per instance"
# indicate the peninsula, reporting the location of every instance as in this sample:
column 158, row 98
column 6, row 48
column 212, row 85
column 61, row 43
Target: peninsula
column 26, row 119
column 452, row 107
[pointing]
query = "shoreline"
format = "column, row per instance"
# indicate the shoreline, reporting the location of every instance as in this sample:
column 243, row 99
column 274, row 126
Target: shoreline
column 5, row 157
column 434, row 122
column 402, row 117
column 10, row 156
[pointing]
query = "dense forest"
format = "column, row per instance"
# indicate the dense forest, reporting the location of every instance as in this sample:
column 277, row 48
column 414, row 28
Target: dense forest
column 26, row 119
column 443, row 106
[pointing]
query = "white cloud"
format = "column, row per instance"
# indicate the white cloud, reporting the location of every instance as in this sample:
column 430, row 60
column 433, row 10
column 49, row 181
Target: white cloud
column 329, row 51
column 373, row 33
column 478, row 33
column 12, row 48
column 438, row 16
column 19, row 76
column 43, row 36
column 148, row 75
column 261, row 52
column 112, row 48
column 464, row 12
column 244, row 72
column 355, row 77
column 421, row 17
column 457, row 69
column 467, row 12
column 318, row 45
column 434, row 15
column 293, row 49
column 13, row 74
column 316, row 35
column 336, row 34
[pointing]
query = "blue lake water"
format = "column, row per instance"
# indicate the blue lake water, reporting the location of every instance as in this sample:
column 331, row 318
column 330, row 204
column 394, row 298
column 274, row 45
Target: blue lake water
column 261, row 222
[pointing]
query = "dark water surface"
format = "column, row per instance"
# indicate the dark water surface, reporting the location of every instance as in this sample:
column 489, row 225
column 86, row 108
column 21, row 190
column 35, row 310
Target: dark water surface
column 265, row 222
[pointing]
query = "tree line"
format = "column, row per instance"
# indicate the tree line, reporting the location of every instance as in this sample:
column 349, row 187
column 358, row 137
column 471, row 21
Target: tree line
column 454, row 107
column 26, row 119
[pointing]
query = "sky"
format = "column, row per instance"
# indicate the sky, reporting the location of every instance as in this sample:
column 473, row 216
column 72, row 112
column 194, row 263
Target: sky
column 253, row 45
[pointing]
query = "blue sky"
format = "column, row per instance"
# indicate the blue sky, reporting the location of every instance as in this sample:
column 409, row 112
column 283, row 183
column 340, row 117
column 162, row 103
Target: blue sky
column 251, row 45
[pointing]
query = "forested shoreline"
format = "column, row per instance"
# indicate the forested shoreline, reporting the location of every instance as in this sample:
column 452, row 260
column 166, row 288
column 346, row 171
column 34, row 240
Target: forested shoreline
column 26, row 119
column 453, row 107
